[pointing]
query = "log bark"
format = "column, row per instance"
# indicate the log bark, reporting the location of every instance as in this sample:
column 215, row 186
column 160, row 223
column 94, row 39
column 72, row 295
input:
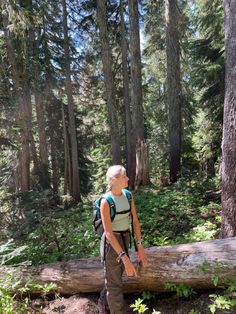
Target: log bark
column 176, row 264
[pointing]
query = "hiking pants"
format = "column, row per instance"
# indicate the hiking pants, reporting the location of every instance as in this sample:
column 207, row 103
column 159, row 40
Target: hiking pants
column 113, row 275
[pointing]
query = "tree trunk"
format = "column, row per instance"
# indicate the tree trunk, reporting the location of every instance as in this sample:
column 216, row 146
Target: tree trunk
column 228, row 228
column 173, row 88
column 109, row 81
column 129, row 132
column 142, row 169
column 67, row 163
column 53, row 106
column 73, row 139
column 24, row 167
column 142, row 164
column 41, row 163
column 193, row 264
column 27, row 107
column 43, row 151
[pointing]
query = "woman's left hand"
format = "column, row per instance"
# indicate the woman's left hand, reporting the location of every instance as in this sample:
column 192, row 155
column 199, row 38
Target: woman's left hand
column 142, row 257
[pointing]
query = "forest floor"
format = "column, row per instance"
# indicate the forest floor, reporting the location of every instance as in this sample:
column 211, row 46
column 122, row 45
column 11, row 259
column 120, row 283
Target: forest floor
column 163, row 303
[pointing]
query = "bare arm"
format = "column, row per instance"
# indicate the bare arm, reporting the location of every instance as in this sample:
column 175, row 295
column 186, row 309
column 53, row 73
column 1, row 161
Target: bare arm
column 137, row 231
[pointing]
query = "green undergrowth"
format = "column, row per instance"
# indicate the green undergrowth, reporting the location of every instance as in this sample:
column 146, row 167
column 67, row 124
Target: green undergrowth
column 177, row 214
column 39, row 231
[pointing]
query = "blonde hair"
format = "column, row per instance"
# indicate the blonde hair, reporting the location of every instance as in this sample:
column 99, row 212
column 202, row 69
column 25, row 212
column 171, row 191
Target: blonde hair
column 113, row 172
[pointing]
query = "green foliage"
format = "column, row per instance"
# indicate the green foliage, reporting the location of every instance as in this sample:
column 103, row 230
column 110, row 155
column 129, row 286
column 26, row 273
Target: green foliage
column 147, row 295
column 14, row 295
column 204, row 266
column 230, row 284
column 101, row 155
column 207, row 77
column 221, row 302
column 215, row 268
column 182, row 290
column 175, row 214
column 139, row 306
column 39, row 231
column 51, row 235
column 202, row 232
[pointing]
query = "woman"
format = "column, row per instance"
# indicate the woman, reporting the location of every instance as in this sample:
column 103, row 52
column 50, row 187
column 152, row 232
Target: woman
column 117, row 235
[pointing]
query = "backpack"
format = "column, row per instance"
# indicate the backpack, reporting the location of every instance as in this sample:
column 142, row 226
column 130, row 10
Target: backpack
column 97, row 221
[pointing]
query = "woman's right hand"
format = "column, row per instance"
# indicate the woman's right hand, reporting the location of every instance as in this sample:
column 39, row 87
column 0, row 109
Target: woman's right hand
column 129, row 267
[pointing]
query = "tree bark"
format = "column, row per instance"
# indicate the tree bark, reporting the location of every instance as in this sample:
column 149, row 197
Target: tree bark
column 192, row 264
column 18, row 90
column 136, row 76
column 109, row 81
column 173, row 88
column 54, row 119
column 129, row 132
column 228, row 228
column 43, row 151
column 141, row 164
column 73, row 139
column 67, row 163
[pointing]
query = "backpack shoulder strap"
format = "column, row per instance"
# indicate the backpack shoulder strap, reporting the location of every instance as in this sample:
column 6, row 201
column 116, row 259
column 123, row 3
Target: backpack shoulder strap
column 128, row 195
column 111, row 204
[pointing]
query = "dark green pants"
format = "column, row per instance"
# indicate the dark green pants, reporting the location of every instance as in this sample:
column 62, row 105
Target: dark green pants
column 113, row 290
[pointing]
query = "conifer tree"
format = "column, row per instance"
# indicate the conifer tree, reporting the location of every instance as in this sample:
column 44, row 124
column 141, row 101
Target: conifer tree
column 173, row 88
column 109, row 80
column 75, row 187
column 228, row 228
column 142, row 160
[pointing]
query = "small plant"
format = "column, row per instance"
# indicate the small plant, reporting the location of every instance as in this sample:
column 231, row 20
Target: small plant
column 215, row 268
column 231, row 285
column 147, row 295
column 221, row 302
column 215, row 279
column 205, row 266
column 182, row 290
column 139, row 306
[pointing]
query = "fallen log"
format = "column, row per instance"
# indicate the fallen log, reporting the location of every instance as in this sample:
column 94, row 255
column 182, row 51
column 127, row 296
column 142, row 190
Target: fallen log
column 193, row 264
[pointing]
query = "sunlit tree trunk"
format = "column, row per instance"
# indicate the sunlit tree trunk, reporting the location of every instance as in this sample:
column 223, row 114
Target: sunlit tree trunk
column 72, row 128
column 109, row 81
column 228, row 228
column 173, row 88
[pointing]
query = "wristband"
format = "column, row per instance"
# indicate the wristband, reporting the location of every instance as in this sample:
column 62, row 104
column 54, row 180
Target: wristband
column 140, row 242
column 121, row 254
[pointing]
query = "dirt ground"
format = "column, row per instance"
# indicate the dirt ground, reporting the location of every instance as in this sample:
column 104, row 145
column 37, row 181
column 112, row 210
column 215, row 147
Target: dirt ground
column 166, row 303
